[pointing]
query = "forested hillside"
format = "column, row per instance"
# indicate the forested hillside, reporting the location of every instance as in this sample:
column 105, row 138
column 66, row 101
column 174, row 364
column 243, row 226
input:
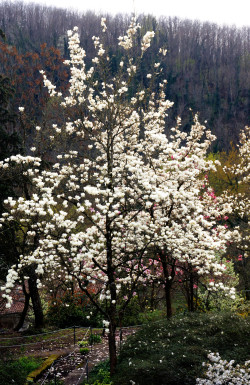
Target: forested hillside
column 207, row 65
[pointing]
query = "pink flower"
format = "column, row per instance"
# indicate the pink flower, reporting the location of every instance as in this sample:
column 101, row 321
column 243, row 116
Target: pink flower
column 225, row 218
column 240, row 258
column 195, row 286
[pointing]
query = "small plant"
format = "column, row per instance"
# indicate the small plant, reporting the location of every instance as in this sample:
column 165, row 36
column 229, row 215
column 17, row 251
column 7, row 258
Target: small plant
column 100, row 375
column 84, row 351
column 103, row 378
column 82, row 344
column 95, row 339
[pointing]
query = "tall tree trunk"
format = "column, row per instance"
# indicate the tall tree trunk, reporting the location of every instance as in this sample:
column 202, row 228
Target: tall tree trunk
column 36, row 301
column 191, row 287
column 112, row 308
column 25, row 309
column 112, row 348
column 152, row 297
column 167, row 284
column 168, row 299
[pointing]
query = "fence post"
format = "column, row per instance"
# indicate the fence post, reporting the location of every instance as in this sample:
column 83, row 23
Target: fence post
column 74, row 335
column 91, row 340
column 87, row 369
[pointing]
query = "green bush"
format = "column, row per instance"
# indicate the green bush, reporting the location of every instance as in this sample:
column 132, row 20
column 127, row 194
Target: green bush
column 71, row 310
column 132, row 313
column 172, row 351
column 94, row 339
column 84, row 351
column 135, row 315
column 16, row 371
column 151, row 316
column 99, row 375
column 83, row 344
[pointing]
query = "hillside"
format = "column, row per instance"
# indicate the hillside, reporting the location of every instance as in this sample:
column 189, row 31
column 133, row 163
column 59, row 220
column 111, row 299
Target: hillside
column 207, row 65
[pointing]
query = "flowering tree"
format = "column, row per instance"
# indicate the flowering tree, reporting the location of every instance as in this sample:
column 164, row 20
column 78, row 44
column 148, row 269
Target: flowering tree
column 121, row 189
column 183, row 210
column 237, row 195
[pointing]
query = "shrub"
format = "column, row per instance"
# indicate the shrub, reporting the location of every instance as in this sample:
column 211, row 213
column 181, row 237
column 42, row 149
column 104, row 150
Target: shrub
column 100, row 375
column 94, row 339
column 84, row 351
column 151, row 316
column 83, row 344
column 175, row 349
column 71, row 310
column 16, row 371
column 137, row 314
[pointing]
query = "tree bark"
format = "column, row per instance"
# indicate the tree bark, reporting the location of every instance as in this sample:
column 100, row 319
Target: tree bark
column 25, row 309
column 36, row 301
column 168, row 285
column 191, row 291
column 168, row 299
column 112, row 349
column 112, row 308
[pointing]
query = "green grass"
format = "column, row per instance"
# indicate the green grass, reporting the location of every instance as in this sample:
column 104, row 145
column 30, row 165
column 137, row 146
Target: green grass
column 16, row 371
column 171, row 352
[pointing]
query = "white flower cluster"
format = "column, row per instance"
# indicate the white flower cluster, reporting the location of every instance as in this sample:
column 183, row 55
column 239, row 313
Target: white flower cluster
column 47, row 83
column 222, row 372
column 126, row 41
column 146, row 40
column 103, row 24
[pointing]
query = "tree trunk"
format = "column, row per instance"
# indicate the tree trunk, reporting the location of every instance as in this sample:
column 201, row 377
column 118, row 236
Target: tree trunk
column 168, row 299
column 191, row 292
column 168, row 284
column 36, row 301
column 112, row 287
column 112, row 349
column 152, row 297
column 25, row 309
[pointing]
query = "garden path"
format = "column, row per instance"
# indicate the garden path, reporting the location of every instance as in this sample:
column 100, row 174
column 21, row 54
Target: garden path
column 72, row 367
